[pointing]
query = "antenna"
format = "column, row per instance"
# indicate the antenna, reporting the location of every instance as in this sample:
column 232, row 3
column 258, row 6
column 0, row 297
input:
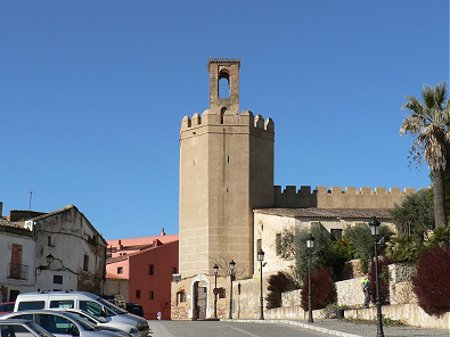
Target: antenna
column 30, row 198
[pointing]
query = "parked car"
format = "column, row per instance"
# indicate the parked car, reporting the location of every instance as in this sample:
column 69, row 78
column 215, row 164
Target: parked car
column 135, row 309
column 22, row 328
column 82, row 300
column 60, row 324
column 104, row 323
column 6, row 307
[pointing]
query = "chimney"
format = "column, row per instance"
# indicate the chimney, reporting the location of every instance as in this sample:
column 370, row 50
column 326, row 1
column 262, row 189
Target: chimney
column 162, row 232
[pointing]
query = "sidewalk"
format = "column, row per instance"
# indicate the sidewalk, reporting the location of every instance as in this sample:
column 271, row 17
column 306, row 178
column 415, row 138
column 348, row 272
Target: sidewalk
column 348, row 328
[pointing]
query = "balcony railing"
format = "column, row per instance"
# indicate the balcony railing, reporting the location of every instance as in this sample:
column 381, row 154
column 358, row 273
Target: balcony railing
column 18, row 271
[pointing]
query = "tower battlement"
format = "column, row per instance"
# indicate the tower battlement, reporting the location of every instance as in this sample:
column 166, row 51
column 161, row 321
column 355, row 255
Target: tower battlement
column 245, row 118
column 338, row 197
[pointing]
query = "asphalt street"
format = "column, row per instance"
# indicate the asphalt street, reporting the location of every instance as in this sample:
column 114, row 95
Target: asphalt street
column 227, row 329
column 273, row 328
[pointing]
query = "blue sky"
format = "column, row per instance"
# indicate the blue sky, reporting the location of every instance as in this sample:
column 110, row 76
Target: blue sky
column 92, row 94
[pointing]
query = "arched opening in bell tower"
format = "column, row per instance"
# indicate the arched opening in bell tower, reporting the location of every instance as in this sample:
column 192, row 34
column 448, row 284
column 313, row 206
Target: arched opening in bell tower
column 224, row 84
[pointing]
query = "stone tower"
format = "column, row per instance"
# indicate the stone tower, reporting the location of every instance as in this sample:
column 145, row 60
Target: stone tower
column 226, row 170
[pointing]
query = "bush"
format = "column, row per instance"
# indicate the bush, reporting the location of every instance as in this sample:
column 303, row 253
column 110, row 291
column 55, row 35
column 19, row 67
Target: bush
column 404, row 248
column 323, row 290
column 384, row 280
column 439, row 238
column 278, row 283
column 432, row 281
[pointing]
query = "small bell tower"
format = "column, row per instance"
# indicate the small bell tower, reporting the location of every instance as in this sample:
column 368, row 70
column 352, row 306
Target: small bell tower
column 224, row 70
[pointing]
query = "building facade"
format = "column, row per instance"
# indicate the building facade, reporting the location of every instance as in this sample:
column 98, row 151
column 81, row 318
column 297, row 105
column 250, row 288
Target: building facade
column 141, row 270
column 59, row 250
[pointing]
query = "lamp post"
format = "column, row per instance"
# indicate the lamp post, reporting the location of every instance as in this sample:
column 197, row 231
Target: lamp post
column 375, row 229
column 215, row 291
column 310, row 245
column 261, row 259
column 232, row 266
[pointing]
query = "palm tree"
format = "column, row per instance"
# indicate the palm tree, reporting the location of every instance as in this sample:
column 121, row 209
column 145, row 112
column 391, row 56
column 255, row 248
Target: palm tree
column 429, row 121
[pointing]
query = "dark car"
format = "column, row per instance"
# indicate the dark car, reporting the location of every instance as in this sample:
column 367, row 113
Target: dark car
column 6, row 307
column 134, row 308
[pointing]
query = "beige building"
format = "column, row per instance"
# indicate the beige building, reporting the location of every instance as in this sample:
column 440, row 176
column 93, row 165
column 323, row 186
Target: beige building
column 228, row 202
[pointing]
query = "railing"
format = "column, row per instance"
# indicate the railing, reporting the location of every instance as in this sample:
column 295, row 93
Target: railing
column 17, row 271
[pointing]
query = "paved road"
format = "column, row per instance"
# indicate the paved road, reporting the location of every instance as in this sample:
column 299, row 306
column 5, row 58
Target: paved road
column 227, row 329
column 268, row 328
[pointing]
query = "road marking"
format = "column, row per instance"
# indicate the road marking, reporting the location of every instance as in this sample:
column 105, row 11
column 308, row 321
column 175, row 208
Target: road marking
column 243, row 331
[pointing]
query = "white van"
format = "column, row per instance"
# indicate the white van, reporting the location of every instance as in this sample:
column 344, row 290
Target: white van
column 81, row 300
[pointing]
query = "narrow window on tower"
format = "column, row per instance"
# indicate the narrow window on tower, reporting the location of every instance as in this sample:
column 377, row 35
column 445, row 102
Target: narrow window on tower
column 151, row 269
column 222, row 113
column 224, row 85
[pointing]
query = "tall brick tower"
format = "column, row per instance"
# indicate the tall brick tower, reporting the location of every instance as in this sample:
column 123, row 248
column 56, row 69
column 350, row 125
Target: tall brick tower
column 226, row 170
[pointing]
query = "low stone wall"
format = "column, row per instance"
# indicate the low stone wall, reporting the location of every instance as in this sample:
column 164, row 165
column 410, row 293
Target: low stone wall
column 291, row 298
column 349, row 292
column 410, row 314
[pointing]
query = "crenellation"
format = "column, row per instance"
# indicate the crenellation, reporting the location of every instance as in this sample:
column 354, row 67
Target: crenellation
column 338, row 197
column 185, row 122
column 259, row 122
column 196, row 120
column 365, row 190
column 269, row 125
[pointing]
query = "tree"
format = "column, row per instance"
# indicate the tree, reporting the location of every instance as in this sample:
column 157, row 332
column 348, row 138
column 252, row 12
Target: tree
column 360, row 243
column 323, row 253
column 429, row 121
column 415, row 215
column 323, row 290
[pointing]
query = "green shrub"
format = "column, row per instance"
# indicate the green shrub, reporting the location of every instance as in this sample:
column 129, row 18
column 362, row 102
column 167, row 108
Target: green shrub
column 403, row 248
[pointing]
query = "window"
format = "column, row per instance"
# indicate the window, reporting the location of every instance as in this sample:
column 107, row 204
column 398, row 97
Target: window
column 335, row 234
column 49, row 241
column 151, row 269
column 258, row 245
column 174, row 270
column 151, row 295
column 85, row 262
column 58, row 279
column 278, row 244
column 138, row 294
column 222, row 293
column 91, row 307
column 119, row 270
column 58, row 325
column 32, row 305
column 16, row 269
column 181, row 296
column 65, row 304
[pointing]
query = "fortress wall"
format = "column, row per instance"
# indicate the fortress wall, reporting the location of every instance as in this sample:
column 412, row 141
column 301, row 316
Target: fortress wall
column 338, row 197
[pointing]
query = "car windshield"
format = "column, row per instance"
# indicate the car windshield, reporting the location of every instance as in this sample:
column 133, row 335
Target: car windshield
column 111, row 307
column 40, row 330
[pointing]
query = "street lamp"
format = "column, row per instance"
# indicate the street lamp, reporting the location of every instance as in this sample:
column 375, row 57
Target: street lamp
column 50, row 259
column 232, row 266
column 310, row 245
column 261, row 259
column 375, row 229
column 216, row 291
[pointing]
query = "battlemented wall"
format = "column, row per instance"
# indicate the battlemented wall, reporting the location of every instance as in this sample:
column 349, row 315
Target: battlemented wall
column 337, row 197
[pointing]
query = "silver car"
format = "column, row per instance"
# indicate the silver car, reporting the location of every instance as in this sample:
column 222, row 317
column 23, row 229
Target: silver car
column 22, row 328
column 126, row 330
column 60, row 324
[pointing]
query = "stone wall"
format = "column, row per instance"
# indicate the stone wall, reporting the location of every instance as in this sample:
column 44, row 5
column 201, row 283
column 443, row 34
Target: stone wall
column 410, row 314
column 349, row 292
column 400, row 286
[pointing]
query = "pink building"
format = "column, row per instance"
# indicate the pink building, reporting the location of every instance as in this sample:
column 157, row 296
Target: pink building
column 147, row 264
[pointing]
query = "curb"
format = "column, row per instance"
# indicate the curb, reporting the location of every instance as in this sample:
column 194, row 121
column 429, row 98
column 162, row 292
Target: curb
column 299, row 324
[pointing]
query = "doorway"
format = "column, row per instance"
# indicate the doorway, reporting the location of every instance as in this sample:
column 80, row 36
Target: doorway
column 200, row 294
